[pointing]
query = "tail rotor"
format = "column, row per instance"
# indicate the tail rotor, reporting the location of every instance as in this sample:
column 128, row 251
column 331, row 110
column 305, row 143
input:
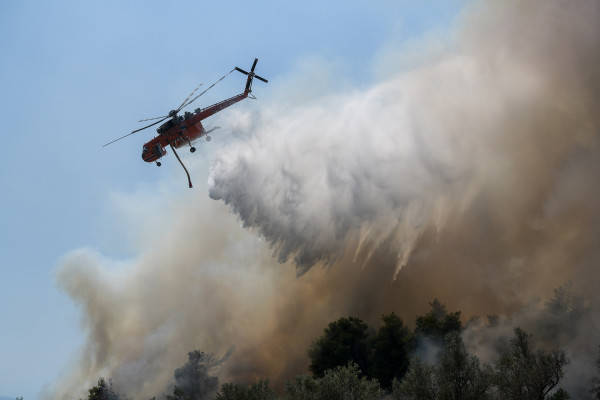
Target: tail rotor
column 251, row 76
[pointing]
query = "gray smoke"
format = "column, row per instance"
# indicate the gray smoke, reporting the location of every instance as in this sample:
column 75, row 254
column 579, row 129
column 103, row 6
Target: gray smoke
column 471, row 177
column 565, row 321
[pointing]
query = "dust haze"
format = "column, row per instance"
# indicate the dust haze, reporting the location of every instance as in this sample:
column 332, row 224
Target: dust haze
column 470, row 177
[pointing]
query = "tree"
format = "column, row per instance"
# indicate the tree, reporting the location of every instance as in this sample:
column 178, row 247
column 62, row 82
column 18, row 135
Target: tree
column 257, row 391
column 343, row 383
column 522, row 373
column 458, row 375
column 339, row 383
column 102, row 391
column 390, row 349
column 192, row 381
column 305, row 387
column 561, row 316
column 418, row 383
column 437, row 323
column 343, row 341
column 595, row 390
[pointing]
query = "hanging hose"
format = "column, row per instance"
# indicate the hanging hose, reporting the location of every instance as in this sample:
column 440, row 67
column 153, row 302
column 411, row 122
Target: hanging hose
column 180, row 162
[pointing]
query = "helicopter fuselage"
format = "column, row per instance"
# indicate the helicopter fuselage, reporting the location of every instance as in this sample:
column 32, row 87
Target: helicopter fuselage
column 183, row 130
column 181, row 133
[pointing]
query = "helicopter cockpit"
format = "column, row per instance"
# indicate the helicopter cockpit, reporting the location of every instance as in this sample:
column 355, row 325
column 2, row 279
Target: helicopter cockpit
column 153, row 154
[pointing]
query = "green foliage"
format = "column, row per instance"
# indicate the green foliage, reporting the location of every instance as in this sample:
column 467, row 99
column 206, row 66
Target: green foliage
column 343, row 341
column 305, row 387
column 390, row 350
column 256, row 391
column 437, row 323
column 343, row 383
column 340, row 383
column 522, row 373
column 418, row 383
column 457, row 376
column 102, row 391
column 383, row 356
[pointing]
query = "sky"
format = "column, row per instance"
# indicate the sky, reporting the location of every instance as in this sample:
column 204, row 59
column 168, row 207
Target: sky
column 77, row 75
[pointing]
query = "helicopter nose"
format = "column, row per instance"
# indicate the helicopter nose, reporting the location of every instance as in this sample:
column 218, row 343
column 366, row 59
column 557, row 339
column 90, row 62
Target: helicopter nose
column 145, row 154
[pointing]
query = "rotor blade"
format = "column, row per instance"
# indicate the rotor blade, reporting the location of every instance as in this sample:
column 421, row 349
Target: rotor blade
column 194, row 99
column 137, row 130
column 148, row 126
column 254, row 65
column 207, row 89
column 241, row 70
column 261, row 79
column 150, row 119
column 191, row 94
column 116, row 140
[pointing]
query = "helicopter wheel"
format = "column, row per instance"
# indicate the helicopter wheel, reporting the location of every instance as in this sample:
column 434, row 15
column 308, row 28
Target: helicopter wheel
column 193, row 149
column 208, row 138
column 158, row 164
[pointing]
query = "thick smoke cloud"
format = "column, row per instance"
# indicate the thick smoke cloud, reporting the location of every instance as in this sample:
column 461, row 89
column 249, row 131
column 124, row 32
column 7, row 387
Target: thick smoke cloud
column 471, row 178
column 497, row 122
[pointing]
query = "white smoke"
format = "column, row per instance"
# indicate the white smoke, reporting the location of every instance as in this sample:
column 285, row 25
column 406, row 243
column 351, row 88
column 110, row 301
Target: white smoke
column 497, row 117
column 364, row 168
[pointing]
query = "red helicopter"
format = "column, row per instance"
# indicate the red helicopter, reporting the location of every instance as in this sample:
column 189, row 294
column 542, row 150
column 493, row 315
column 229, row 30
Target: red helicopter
column 179, row 130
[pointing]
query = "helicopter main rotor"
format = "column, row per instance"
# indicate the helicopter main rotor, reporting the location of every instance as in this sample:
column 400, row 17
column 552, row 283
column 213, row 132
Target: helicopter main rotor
column 171, row 114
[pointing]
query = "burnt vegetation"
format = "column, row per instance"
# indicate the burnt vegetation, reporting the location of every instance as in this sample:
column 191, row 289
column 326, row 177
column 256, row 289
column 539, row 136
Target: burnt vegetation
column 353, row 361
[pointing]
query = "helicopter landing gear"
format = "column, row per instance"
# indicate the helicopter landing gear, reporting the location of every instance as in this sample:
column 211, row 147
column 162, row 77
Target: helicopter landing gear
column 158, row 164
column 208, row 138
column 193, row 149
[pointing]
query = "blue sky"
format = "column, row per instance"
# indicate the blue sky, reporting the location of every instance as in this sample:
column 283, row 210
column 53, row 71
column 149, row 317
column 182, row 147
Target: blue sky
column 75, row 75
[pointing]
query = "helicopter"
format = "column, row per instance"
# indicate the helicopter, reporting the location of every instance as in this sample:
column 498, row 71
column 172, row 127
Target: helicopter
column 182, row 130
